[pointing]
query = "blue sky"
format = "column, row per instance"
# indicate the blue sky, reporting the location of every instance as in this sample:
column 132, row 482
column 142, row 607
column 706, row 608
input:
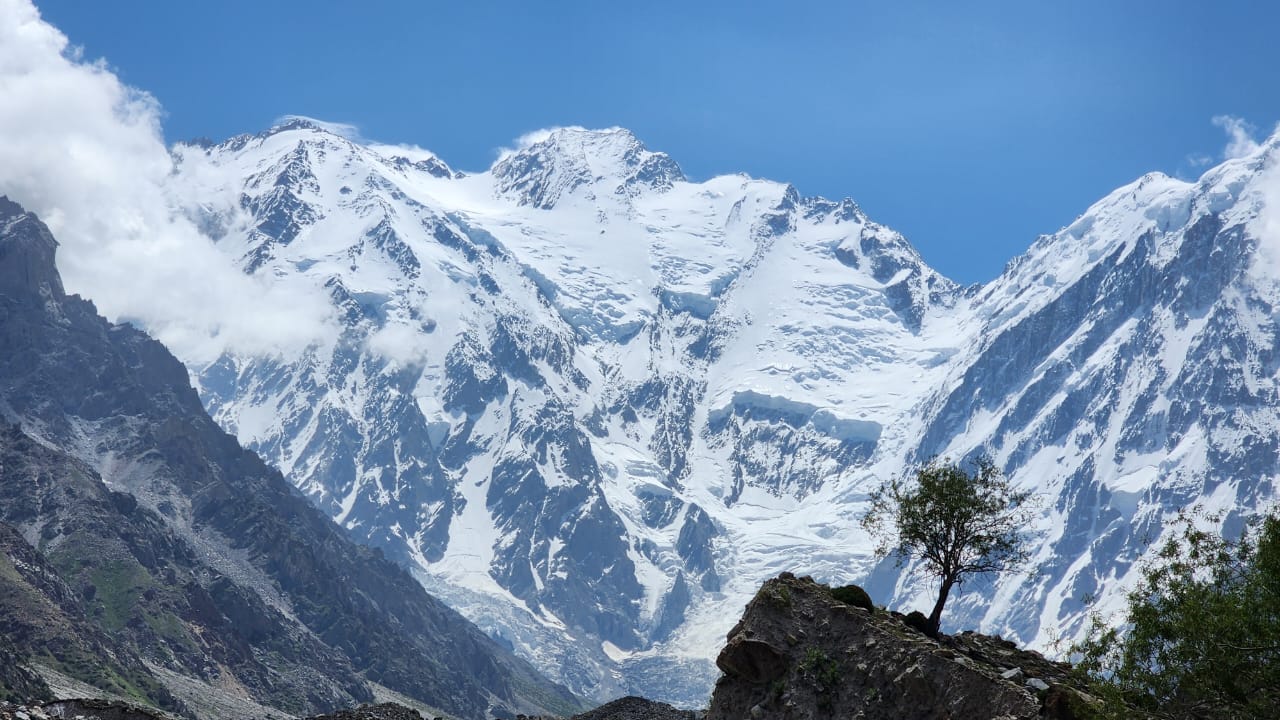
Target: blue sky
column 971, row 127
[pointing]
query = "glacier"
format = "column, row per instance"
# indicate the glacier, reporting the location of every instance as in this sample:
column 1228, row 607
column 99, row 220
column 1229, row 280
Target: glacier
column 593, row 403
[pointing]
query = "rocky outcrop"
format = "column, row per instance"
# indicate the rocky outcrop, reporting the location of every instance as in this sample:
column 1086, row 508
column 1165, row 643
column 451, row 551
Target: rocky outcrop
column 382, row 711
column 627, row 708
column 630, row 708
column 801, row 654
column 636, row 708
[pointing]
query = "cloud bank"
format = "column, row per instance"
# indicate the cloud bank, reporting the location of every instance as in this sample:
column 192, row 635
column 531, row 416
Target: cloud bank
column 85, row 152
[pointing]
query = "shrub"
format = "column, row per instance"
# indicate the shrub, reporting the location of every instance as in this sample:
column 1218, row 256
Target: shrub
column 916, row 619
column 822, row 669
column 853, row 595
column 1201, row 639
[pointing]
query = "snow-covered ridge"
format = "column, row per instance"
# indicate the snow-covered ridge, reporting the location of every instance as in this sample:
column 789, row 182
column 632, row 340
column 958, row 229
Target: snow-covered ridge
column 595, row 403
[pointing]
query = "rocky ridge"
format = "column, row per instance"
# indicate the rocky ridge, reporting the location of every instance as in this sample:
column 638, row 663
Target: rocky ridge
column 628, row 708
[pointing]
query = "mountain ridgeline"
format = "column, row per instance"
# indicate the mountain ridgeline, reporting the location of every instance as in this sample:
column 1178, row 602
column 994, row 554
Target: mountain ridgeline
column 144, row 553
column 591, row 403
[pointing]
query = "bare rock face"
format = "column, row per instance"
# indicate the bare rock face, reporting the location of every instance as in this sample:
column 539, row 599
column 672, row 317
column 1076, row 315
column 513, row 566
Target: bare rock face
column 752, row 660
column 801, row 654
column 383, row 711
column 79, row 709
column 636, row 708
column 17, row 680
column 627, row 708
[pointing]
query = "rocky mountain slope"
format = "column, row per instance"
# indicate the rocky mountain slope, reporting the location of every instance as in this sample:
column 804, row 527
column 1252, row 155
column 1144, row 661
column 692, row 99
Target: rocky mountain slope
column 144, row 553
column 592, row 402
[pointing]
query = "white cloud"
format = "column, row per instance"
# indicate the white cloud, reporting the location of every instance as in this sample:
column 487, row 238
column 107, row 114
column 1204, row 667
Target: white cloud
column 401, row 343
column 1240, row 136
column 346, row 130
column 533, row 137
column 85, row 152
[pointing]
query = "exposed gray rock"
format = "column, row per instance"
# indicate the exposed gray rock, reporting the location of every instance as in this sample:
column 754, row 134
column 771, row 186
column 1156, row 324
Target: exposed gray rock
column 17, row 680
column 98, row 710
column 636, row 708
column 79, row 709
column 382, row 711
column 752, row 660
column 800, row 654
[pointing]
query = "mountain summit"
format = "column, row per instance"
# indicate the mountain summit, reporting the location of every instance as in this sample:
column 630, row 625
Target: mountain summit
column 592, row 402
column 554, row 164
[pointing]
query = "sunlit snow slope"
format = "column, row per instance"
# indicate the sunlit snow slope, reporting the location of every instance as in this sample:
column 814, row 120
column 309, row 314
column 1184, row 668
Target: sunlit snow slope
column 595, row 403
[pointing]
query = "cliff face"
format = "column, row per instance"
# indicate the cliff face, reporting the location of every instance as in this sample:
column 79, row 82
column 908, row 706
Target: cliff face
column 800, row 654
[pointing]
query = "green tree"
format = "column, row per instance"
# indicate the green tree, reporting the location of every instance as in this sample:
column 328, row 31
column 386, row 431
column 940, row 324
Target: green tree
column 1201, row 637
column 956, row 523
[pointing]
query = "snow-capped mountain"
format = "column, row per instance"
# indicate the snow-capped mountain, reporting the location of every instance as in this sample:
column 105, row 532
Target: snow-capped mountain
column 594, row 403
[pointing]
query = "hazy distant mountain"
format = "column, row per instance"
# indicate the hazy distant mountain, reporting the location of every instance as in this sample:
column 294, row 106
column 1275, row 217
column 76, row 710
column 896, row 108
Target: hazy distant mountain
column 144, row 552
column 594, row 403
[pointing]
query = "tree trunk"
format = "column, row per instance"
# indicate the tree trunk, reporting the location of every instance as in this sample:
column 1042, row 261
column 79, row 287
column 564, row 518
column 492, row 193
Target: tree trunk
column 935, row 617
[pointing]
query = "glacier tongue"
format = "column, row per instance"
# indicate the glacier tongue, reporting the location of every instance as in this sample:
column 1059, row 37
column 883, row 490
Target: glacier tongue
column 593, row 403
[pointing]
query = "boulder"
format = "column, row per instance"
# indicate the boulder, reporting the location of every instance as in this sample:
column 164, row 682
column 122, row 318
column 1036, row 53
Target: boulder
column 752, row 660
column 801, row 654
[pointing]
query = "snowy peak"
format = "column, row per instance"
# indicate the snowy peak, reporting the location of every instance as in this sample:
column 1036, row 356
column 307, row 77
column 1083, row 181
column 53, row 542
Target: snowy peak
column 1154, row 212
column 594, row 164
column 1127, row 364
column 291, row 150
column 300, row 122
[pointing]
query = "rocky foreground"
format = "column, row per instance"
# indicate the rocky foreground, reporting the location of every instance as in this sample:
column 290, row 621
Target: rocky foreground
column 628, row 708
column 803, row 652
